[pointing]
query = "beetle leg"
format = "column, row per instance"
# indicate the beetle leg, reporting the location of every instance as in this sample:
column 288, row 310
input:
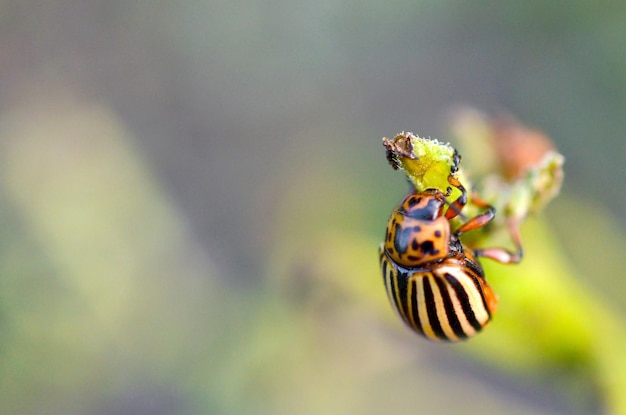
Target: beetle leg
column 455, row 208
column 456, row 161
column 503, row 255
column 477, row 221
column 476, row 200
column 497, row 254
column 480, row 220
column 500, row 254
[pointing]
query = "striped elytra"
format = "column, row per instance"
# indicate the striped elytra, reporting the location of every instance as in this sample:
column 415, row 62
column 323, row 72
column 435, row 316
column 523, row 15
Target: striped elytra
column 450, row 301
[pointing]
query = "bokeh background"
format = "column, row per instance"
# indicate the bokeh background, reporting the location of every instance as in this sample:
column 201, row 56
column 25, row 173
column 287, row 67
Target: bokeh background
column 192, row 194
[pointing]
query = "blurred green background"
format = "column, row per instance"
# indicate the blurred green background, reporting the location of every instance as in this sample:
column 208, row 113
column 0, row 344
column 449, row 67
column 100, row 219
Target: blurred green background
column 192, row 195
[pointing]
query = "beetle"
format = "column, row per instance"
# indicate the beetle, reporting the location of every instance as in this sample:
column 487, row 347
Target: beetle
column 434, row 282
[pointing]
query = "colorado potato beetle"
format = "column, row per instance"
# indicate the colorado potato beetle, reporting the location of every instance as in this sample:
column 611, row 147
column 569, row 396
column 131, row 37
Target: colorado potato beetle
column 434, row 282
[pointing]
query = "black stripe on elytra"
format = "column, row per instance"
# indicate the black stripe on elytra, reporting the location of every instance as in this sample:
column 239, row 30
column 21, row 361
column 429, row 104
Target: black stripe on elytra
column 475, row 267
column 431, row 310
column 393, row 275
column 415, row 306
column 480, row 290
column 463, row 298
column 387, row 279
column 453, row 319
column 402, row 285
